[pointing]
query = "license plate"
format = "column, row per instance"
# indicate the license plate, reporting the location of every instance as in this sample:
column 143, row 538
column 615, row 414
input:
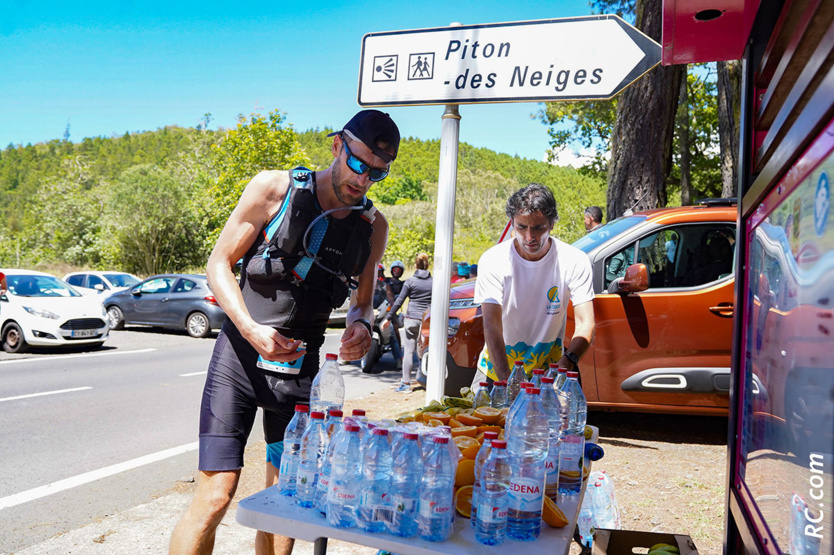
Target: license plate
column 83, row 333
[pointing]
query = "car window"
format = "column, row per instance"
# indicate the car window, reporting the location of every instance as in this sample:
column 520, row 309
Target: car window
column 600, row 235
column 95, row 280
column 121, row 280
column 39, row 286
column 77, row 280
column 184, row 285
column 679, row 256
column 158, row 285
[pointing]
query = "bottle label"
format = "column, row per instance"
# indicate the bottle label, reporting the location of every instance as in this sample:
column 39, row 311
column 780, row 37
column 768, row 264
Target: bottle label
column 404, row 505
column 526, row 494
column 293, row 367
column 434, row 509
column 377, row 506
column 491, row 514
column 324, row 481
column 551, row 465
column 306, row 477
column 570, row 456
column 288, row 464
column 340, row 495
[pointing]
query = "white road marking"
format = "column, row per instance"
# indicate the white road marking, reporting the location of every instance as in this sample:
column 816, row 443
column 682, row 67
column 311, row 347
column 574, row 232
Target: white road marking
column 203, row 373
column 87, row 477
column 44, row 393
column 59, row 357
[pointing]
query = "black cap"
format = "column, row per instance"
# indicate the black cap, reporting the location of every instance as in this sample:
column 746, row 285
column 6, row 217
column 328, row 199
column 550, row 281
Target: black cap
column 371, row 127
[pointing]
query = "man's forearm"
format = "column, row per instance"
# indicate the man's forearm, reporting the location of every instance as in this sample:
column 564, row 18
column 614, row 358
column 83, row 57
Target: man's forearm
column 498, row 356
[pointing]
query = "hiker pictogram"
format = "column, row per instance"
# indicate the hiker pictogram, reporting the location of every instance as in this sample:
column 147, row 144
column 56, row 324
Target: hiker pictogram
column 385, row 68
column 421, row 66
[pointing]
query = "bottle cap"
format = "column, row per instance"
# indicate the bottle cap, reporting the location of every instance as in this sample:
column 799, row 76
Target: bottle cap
column 553, row 365
column 598, row 485
column 548, row 380
column 484, row 384
column 499, row 444
column 563, row 370
column 410, row 436
column 380, row 432
column 573, row 374
column 490, row 435
column 302, row 408
column 351, row 428
column 519, row 363
column 335, row 412
column 533, row 390
column 441, row 439
column 502, row 383
column 525, row 385
column 538, row 372
column 358, row 412
column 332, row 356
column 316, row 415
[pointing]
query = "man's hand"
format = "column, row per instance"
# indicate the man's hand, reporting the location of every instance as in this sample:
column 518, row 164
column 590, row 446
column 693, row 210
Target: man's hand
column 273, row 346
column 355, row 342
column 386, row 324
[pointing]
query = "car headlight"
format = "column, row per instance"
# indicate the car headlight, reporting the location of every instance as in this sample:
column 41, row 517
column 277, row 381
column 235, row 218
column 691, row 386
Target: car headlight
column 40, row 312
column 454, row 326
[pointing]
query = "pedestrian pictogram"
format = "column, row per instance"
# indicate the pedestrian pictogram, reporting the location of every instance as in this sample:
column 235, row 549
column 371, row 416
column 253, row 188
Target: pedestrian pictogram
column 385, row 68
column 421, row 66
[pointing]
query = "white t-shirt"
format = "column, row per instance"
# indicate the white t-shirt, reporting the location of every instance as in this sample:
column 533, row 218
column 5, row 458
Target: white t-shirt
column 534, row 296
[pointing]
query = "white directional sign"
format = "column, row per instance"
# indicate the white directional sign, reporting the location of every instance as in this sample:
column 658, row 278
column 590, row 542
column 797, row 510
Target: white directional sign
column 555, row 59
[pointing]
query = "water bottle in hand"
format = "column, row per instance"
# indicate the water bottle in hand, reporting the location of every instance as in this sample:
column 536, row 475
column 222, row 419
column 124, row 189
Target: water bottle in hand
column 288, row 468
column 328, row 389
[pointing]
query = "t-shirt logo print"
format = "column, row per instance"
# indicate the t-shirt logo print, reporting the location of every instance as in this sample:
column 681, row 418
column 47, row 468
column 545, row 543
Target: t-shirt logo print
column 553, row 294
column 553, row 304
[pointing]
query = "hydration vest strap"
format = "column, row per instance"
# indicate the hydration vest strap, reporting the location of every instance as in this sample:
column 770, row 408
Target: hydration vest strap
column 302, row 178
column 316, row 237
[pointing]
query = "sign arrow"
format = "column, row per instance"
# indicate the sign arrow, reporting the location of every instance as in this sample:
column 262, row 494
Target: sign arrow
column 580, row 58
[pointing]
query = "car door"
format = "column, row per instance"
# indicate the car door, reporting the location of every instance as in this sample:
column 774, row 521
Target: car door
column 181, row 301
column 149, row 302
column 670, row 344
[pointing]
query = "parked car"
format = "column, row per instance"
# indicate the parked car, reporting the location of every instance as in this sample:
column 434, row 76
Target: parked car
column 664, row 282
column 42, row 310
column 178, row 301
column 98, row 283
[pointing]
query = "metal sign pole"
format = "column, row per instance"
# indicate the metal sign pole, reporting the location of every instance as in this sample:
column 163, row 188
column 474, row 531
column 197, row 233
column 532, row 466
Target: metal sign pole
column 444, row 235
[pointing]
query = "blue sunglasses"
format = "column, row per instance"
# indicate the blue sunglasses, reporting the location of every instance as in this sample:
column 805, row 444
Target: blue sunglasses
column 359, row 167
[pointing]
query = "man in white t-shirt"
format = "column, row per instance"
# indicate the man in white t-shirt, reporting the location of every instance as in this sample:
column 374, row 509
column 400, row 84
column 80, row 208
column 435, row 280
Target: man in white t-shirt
column 524, row 286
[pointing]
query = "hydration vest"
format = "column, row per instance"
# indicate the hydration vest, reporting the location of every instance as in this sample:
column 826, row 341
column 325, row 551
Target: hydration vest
column 296, row 235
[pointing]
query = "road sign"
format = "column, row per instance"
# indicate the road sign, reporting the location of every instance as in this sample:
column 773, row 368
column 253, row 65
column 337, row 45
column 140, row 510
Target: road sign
column 579, row 58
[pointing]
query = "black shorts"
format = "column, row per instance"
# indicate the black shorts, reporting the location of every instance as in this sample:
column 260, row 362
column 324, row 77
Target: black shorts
column 235, row 388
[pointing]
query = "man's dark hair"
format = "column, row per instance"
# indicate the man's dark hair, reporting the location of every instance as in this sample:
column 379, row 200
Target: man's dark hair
column 533, row 198
column 595, row 212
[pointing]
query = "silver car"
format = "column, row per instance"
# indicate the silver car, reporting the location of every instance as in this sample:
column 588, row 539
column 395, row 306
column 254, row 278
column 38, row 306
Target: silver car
column 178, row 301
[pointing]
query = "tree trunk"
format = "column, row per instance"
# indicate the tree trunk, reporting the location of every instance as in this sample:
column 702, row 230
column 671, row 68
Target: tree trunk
column 683, row 142
column 641, row 143
column 729, row 86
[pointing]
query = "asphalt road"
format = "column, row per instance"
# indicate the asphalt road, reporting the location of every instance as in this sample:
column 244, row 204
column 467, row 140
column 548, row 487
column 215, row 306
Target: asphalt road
column 85, row 434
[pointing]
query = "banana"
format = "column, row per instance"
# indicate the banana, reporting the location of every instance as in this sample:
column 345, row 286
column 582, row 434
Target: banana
column 660, row 548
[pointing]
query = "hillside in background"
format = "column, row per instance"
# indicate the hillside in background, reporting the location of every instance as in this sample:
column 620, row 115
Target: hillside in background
column 155, row 201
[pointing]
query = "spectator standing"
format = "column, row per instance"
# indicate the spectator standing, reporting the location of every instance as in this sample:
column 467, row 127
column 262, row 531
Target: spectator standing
column 463, row 272
column 593, row 218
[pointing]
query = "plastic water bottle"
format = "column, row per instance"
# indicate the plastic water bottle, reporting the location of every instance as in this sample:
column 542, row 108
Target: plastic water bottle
column 517, row 376
column 345, row 468
column 312, row 454
column 553, row 409
column 405, row 485
column 527, row 445
column 612, row 520
column 516, row 404
column 538, row 374
column 490, row 521
column 585, row 522
column 328, row 389
column 480, row 459
column 482, row 396
column 375, row 509
column 436, row 506
column 498, row 395
column 332, row 426
column 574, row 417
column 288, row 468
column 561, row 378
column 552, row 370
column 604, row 516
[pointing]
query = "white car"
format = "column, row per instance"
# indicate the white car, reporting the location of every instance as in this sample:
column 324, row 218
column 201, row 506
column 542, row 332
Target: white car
column 94, row 283
column 41, row 310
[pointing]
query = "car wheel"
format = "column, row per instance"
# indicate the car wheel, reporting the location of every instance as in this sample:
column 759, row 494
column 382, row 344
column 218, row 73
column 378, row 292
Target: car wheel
column 116, row 317
column 197, row 325
column 369, row 360
column 13, row 341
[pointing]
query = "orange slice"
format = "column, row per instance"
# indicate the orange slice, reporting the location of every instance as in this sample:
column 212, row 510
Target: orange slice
column 470, row 451
column 482, row 429
column 465, row 475
column 463, row 501
column 465, row 441
column 470, row 431
column 467, row 420
column 434, row 422
column 454, row 424
column 552, row 515
column 442, row 416
column 489, row 415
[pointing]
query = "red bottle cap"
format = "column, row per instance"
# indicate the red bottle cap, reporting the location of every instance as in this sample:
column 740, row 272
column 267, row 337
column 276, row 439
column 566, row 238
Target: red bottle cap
column 302, row 408
column 533, row 390
column 501, row 383
column 410, row 436
column 351, row 428
column 441, row 439
column 538, row 372
column 499, row 444
column 335, row 412
column 548, row 380
column 332, row 356
column 573, row 374
column 316, row 415
column 490, row 435
column 358, row 412
column 553, row 365
column 484, row 384
column 380, row 432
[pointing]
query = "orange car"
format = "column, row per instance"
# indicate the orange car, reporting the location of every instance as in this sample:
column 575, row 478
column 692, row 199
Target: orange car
column 664, row 282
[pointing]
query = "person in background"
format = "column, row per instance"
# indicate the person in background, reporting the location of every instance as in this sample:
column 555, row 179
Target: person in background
column 3, row 286
column 593, row 218
column 463, row 272
column 473, row 270
column 524, row 287
column 395, row 285
column 283, row 300
column 417, row 289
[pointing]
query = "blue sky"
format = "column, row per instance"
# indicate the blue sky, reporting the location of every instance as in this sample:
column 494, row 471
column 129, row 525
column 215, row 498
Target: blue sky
column 106, row 68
